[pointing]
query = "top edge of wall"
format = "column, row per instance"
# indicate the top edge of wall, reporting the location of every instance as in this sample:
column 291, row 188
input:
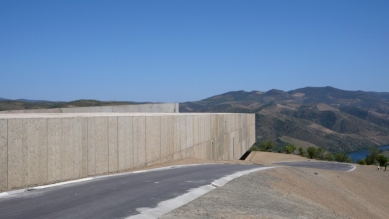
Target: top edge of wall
column 134, row 108
column 89, row 115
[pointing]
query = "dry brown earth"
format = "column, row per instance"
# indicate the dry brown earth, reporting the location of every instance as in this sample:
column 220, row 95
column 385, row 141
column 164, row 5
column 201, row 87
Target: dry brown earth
column 286, row 192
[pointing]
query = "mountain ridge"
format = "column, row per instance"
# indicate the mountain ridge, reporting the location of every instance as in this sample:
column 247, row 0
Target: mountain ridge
column 328, row 117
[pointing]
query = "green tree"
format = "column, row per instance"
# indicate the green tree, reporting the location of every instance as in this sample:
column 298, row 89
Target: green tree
column 320, row 153
column 254, row 148
column 361, row 162
column 289, row 148
column 266, row 145
column 301, row 151
column 342, row 157
column 382, row 160
column 312, row 152
column 373, row 155
column 329, row 157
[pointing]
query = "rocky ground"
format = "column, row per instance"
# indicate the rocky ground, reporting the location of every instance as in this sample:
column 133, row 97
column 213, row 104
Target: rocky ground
column 286, row 192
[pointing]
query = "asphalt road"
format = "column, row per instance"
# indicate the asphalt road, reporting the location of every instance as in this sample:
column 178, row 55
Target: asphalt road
column 114, row 196
column 319, row 165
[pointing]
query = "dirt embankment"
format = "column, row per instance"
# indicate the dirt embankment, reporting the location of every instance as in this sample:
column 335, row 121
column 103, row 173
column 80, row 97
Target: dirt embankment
column 286, row 192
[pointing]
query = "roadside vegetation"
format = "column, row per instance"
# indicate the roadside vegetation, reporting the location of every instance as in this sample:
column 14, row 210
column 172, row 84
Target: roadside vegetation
column 310, row 152
column 375, row 157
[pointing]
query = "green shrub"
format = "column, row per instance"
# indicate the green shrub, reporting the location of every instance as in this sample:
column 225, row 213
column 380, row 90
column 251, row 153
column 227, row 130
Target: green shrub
column 369, row 160
column 301, row 151
column 254, row 148
column 382, row 160
column 312, row 152
column 361, row 162
column 373, row 155
column 320, row 153
column 329, row 157
column 266, row 146
column 280, row 150
column 342, row 157
column 289, row 148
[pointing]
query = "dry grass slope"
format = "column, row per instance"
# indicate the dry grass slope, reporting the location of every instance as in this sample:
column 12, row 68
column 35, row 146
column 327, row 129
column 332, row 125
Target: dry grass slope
column 286, row 192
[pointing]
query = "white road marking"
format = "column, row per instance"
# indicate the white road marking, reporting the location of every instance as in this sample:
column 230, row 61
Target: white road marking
column 354, row 167
column 4, row 194
column 171, row 204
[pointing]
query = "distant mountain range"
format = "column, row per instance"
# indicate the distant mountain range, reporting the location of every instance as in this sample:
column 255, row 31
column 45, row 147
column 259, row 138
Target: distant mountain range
column 25, row 100
column 22, row 104
column 327, row 117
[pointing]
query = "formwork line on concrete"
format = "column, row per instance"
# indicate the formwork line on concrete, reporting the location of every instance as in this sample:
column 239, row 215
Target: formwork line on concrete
column 133, row 143
column 108, row 144
column 160, row 139
column 7, row 156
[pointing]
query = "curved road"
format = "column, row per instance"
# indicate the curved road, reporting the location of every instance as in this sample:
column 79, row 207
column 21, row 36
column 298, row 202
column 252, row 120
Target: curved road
column 319, row 165
column 116, row 196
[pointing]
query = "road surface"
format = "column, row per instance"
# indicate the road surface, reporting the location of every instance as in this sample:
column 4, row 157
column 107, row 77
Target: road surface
column 319, row 165
column 117, row 196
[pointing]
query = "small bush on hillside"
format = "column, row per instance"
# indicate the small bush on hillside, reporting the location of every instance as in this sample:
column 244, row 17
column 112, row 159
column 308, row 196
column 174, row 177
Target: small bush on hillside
column 289, row 148
column 382, row 160
column 312, row 152
column 320, row 153
column 342, row 157
column 361, row 162
column 254, row 148
column 280, row 150
column 369, row 160
column 373, row 155
column 301, row 151
column 266, row 146
column 329, row 157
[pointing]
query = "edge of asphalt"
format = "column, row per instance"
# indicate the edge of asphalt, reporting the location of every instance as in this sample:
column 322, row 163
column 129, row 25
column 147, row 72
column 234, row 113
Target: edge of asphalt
column 291, row 161
column 174, row 203
column 14, row 192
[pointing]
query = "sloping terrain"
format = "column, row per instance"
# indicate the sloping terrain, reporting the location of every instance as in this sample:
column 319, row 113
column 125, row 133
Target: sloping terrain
column 327, row 117
column 22, row 104
column 294, row 192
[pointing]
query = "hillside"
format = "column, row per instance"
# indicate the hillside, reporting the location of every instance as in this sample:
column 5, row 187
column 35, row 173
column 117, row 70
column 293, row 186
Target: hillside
column 22, row 104
column 334, row 119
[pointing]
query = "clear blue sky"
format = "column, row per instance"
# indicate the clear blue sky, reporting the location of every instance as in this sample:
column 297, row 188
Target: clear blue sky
column 174, row 51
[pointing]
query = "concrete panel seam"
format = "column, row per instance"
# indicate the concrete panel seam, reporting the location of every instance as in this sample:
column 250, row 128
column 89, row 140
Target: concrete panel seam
column 145, row 140
column 7, row 157
column 47, row 151
column 132, row 141
column 160, row 138
column 108, row 142
column 117, row 140
column 87, row 146
column 61, row 172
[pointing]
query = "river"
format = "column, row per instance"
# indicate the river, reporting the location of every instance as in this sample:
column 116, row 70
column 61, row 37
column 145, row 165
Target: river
column 361, row 154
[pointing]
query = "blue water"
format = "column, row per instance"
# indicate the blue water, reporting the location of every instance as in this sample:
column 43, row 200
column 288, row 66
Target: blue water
column 361, row 154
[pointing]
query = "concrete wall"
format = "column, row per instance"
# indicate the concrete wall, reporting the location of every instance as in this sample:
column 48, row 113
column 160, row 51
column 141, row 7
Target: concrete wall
column 151, row 108
column 39, row 149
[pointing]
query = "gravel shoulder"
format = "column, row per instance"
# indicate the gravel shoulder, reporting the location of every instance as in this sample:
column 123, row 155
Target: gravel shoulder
column 289, row 192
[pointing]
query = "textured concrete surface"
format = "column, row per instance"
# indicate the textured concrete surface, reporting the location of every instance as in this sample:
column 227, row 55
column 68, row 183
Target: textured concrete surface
column 3, row 154
column 41, row 148
column 152, row 108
